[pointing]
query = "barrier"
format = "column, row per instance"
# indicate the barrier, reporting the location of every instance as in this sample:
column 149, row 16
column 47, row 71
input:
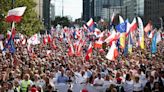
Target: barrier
column 79, row 87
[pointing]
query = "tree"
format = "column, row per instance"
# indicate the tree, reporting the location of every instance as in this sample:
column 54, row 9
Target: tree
column 29, row 24
column 64, row 21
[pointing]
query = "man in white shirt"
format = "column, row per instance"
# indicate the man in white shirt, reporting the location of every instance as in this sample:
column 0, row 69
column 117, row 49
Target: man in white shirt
column 98, row 82
column 79, row 77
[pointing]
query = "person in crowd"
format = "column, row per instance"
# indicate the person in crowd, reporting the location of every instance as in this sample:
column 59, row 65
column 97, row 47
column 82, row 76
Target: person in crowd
column 62, row 78
column 98, row 81
column 10, row 87
column 157, row 87
column 149, row 85
column 26, row 83
column 137, row 86
column 128, row 84
column 42, row 68
column 112, row 88
column 16, row 86
column 33, row 88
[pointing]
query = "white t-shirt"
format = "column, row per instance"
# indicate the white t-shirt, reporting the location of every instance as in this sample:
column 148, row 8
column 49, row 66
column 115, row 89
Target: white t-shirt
column 137, row 86
column 79, row 78
column 99, row 81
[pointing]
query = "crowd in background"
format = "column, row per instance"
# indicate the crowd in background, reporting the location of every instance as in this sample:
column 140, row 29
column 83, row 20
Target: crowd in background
column 47, row 69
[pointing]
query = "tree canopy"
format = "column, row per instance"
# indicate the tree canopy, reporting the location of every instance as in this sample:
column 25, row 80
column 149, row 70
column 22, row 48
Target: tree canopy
column 64, row 21
column 29, row 24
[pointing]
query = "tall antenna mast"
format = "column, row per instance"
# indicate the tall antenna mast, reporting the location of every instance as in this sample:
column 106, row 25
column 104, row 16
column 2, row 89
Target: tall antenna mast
column 62, row 8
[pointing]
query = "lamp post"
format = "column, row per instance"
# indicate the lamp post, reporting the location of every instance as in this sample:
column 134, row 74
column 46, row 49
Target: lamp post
column 62, row 8
column 12, row 4
column 161, row 23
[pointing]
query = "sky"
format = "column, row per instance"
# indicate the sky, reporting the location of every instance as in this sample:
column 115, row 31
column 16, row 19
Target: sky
column 72, row 8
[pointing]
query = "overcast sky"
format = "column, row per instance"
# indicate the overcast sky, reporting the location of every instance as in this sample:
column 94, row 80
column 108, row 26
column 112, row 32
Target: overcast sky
column 72, row 8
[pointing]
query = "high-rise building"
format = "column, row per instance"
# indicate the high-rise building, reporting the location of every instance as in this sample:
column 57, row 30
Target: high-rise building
column 46, row 14
column 146, row 9
column 88, row 9
column 39, row 8
column 133, row 8
column 105, row 8
column 98, row 8
column 52, row 10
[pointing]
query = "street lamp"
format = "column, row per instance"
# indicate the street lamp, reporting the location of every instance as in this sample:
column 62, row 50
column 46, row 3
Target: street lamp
column 12, row 4
column 161, row 23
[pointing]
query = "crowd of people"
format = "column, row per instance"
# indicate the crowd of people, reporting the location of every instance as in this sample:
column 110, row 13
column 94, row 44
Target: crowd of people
column 49, row 69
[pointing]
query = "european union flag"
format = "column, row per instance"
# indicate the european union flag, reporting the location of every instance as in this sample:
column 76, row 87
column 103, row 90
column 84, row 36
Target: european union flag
column 10, row 45
column 121, row 27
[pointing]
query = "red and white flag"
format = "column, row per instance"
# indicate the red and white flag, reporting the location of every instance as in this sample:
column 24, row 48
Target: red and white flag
column 8, row 35
column 45, row 40
column 34, row 40
column 97, row 32
column 79, row 48
column 49, row 39
column 148, row 27
column 98, row 44
column 133, row 25
column 14, row 15
column 71, row 51
column 114, row 36
column 113, row 52
column 89, row 52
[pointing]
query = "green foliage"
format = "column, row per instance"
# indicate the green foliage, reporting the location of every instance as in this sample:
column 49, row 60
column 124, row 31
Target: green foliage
column 79, row 22
column 29, row 24
column 64, row 21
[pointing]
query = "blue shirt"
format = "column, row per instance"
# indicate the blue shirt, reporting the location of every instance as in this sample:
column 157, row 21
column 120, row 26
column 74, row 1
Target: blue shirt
column 62, row 79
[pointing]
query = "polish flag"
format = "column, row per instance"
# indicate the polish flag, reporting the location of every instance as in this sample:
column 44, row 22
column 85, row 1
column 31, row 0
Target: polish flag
column 49, row 39
column 79, row 48
column 128, row 27
column 90, row 25
column 133, row 25
column 98, row 44
column 89, row 52
column 14, row 15
column 97, row 32
column 114, row 36
column 53, row 44
column 79, row 34
column 34, row 40
column 8, row 34
column 70, row 49
column 113, row 52
column 148, row 27
column 45, row 40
